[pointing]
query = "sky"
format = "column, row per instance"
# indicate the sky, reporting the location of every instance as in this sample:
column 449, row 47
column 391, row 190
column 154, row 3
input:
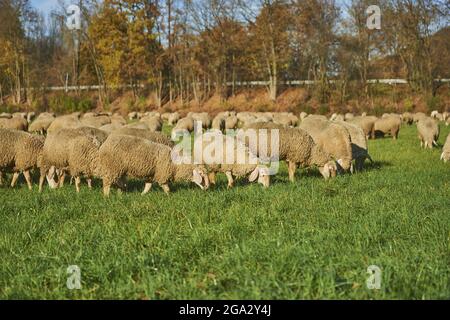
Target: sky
column 45, row 5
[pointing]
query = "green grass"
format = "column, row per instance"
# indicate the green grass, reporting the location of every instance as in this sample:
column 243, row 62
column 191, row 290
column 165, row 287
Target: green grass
column 308, row 240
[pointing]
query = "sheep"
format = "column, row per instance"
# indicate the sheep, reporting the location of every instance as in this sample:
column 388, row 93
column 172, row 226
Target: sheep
column 367, row 124
column 173, row 119
column 359, row 144
column 185, row 124
column 231, row 122
column 132, row 116
column 154, row 123
column 111, row 127
column 123, row 155
column 285, row 119
column 338, row 117
column 348, row 116
column 30, row 116
column 156, row 137
column 408, row 118
column 20, row 152
column 296, row 147
column 428, row 131
column 137, row 125
column 65, row 122
column 5, row 115
column 42, row 123
column 95, row 121
column 332, row 138
column 229, row 163
column 418, row 115
column 445, row 156
column 303, row 115
column 219, row 123
column 447, row 122
column 16, row 123
column 73, row 150
column 201, row 117
column 388, row 125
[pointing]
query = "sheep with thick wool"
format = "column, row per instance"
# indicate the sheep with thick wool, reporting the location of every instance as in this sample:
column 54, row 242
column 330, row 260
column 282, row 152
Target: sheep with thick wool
column 388, row 125
column 70, row 121
column 332, row 138
column 226, row 154
column 296, row 147
column 126, row 156
column 71, row 150
column 367, row 124
column 42, row 123
column 428, row 131
column 153, row 122
column 15, row 123
column 156, row 137
column 20, row 152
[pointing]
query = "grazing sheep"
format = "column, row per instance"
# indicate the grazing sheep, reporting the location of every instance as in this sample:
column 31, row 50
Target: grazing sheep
column 219, row 123
column 15, row 123
column 332, row 138
column 408, row 118
column 201, row 117
column 358, row 137
column 95, row 121
column 428, row 130
column 42, row 123
column 156, row 137
column 297, row 148
column 111, row 127
column 234, row 151
column 388, row 125
column 127, row 156
column 71, row 121
column 367, row 124
column 348, row 116
column 20, row 152
column 72, row 150
column 285, row 119
column 231, row 122
column 137, row 125
column 445, row 156
column 419, row 115
column 185, row 124
column 173, row 119
column 153, row 123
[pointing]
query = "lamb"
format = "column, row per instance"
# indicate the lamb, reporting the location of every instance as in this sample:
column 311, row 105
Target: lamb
column 445, row 156
column 388, row 125
column 73, row 150
column 236, row 160
column 156, row 137
column 428, row 130
column 122, row 156
column 20, row 152
column 332, row 138
column 359, row 144
column 153, row 123
column 16, row 123
column 297, row 148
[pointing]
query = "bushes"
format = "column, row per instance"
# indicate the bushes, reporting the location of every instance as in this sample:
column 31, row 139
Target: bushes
column 434, row 103
column 66, row 104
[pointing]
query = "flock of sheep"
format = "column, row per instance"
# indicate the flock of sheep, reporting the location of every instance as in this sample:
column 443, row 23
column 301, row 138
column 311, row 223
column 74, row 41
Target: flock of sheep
column 112, row 148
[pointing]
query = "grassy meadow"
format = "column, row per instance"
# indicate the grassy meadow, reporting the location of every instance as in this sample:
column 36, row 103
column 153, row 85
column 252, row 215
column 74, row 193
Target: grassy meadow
column 312, row 239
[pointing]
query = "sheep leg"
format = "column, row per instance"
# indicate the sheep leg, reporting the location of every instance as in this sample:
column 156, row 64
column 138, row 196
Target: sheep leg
column 77, row 184
column 41, row 182
column 61, row 178
column 89, row 182
column 1, row 178
column 292, row 169
column 230, row 180
column 166, row 188
column 106, row 189
column 14, row 179
column 148, row 187
column 27, row 176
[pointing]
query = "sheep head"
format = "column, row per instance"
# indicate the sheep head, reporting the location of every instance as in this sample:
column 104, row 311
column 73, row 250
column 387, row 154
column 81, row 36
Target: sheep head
column 262, row 174
column 329, row 170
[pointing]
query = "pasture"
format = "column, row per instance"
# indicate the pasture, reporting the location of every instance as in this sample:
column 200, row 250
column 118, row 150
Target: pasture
column 313, row 239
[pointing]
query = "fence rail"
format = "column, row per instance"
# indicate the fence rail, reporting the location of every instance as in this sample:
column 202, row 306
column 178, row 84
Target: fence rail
column 248, row 84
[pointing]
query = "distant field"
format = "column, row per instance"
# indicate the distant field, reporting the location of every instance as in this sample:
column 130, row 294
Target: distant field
column 308, row 240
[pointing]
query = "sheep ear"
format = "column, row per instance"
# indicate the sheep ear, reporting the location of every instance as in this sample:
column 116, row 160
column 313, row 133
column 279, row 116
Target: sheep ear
column 197, row 178
column 254, row 175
